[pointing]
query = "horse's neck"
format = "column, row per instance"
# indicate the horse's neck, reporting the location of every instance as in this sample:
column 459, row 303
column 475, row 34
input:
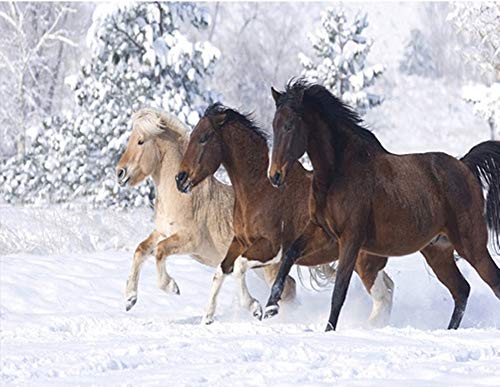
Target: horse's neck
column 245, row 159
column 170, row 160
column 321, row 151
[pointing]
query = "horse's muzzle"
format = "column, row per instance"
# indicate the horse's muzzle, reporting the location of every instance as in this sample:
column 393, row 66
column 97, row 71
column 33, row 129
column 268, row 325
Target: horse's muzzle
column 121, row 175
column 276, row 179
column 183, row 183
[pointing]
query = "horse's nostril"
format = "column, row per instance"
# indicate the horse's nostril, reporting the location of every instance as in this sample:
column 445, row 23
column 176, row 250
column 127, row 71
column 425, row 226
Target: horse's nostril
column 276, row 179
column 121, row 173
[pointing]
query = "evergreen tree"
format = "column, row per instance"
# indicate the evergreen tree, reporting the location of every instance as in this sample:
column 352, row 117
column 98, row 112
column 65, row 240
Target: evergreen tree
column 477, row 23
column 340, row 65
column 139, row 58
column 417, row 59
column 486, row 104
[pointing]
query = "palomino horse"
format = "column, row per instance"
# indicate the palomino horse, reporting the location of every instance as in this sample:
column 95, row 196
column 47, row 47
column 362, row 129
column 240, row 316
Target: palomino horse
column 382, row 203
column 198, row 225
column 266, row 220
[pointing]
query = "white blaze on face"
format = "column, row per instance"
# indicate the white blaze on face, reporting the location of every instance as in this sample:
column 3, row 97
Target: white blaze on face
column 270, row 155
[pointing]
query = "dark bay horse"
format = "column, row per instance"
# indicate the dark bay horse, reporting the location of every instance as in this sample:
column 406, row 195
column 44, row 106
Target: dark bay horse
column 382, row 203
column 265, row 220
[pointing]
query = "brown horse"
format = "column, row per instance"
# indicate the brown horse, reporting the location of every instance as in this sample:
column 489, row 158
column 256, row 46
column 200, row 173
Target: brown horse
column 382, row 203
column 199, row 225
column 265, row 220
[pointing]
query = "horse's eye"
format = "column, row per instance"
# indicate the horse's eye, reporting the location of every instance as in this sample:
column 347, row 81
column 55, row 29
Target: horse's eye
column 140, row 142
column 204, row 138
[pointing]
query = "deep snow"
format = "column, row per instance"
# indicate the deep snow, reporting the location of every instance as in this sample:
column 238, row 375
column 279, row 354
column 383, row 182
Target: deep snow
column 63, row 319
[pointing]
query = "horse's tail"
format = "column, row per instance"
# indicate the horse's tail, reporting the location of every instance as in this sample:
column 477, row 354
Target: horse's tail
column 319, row 276
column 484, row 162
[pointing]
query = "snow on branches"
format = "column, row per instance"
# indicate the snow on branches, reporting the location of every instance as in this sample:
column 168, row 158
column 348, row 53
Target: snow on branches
column 341, row 50
column 139, row 57
column 486, row 101
column 478, row 24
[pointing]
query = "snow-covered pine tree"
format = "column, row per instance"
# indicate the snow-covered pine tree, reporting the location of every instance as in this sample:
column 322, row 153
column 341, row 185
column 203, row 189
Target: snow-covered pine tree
column 341, row 50
column 477, row 23
column 486, row 102
column 417, row 59
column 139, row 58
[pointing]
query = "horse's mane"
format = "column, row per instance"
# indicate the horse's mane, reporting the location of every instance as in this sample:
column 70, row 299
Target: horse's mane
column 234, row 116
column 155, row 122
column 299, row 92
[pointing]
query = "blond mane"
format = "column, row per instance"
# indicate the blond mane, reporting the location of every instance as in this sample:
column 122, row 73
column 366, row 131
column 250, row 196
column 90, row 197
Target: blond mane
column 155, row 122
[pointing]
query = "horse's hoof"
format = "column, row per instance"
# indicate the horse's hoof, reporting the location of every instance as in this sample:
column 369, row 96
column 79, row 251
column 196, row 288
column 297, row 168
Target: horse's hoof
column 131, row 302
column 171, row 287
column 271, row 310
column 257, row 310
column 207, row 320
column 329, row 327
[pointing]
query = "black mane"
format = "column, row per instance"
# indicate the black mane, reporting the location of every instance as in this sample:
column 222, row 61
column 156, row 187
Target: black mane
column 232, row 115
column 299, row 92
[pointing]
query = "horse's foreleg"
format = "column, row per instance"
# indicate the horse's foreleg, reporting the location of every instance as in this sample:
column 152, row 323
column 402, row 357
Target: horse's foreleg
column 350, row 243
column 234, row 251
column 247, row 301
column 378, row 284
column 169, row 246
column 141, row 252
column 302, row 244
column 290, row 289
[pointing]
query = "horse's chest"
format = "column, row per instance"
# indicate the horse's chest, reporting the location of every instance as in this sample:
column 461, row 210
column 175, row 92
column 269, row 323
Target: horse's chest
column 251, row 224
column 166, row 225
column 317, row 209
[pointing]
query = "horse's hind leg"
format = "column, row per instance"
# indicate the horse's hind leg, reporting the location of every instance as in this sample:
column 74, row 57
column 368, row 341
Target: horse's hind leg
column 481, row 261
column 378, row 284
column 227, row 265
column 471, row 241
column 141, row 252
column 440, row 259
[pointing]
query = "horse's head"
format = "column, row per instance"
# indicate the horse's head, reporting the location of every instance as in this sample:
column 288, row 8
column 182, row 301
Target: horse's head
column 290, row 135
column 143, row 153
column 203, row 155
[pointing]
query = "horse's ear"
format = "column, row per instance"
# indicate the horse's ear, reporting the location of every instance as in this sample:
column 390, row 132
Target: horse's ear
column 276, row 94
column 219, row 120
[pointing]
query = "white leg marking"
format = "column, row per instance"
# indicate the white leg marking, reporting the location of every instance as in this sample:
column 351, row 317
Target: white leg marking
column 217, row 281
column 241, row 266
column 381, row 292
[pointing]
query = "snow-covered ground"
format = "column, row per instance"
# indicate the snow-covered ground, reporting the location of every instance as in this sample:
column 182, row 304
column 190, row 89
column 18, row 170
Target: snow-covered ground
column 63, row 320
